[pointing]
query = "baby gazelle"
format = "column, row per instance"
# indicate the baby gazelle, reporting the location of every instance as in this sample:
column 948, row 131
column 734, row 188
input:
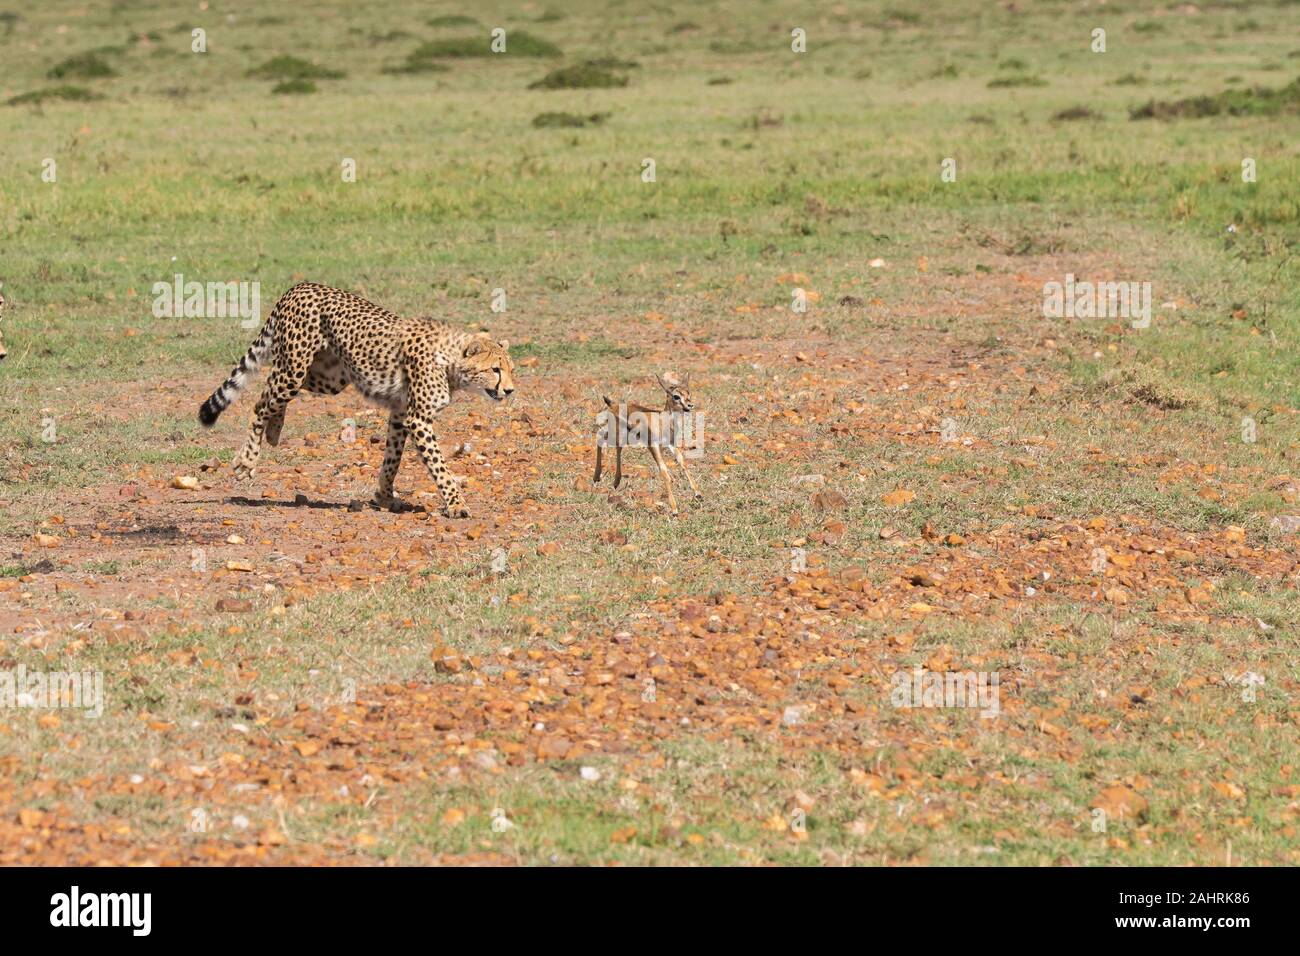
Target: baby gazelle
column 635, row 425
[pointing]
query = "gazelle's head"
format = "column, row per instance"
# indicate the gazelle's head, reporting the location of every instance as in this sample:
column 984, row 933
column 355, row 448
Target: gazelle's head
column 677, row 390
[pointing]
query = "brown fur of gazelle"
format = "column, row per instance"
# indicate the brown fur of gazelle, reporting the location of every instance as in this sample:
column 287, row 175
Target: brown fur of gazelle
column 654, row 423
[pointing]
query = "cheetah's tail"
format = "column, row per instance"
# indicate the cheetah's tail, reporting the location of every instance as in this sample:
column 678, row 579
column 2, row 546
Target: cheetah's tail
column 220, row 400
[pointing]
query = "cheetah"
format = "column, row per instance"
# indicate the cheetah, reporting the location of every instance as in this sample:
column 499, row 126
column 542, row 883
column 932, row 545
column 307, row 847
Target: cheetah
column 324, row 340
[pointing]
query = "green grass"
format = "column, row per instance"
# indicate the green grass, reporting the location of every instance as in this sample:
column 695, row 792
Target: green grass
column 1259, row 101
column 71, row 94
column 582, row 76
column 553, row 120
column 468, row 181
column 289, row 68
column 83, row 66
column 453, row 20
column 294, row 86
column 518, row 43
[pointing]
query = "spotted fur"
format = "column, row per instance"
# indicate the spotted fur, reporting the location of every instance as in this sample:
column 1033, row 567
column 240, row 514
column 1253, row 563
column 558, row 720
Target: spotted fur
column 323, row 340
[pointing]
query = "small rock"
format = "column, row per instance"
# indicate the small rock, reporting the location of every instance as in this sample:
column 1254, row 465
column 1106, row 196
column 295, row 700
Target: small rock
column 923, row 578
column 829, row 500
column 1119, row 803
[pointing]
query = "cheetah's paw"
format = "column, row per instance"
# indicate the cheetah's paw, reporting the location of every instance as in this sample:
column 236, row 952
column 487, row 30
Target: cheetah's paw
column 244, row 469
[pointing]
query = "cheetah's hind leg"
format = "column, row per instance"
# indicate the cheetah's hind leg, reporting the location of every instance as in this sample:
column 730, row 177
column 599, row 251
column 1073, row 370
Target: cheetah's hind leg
column 273, row 425
column 282, row 384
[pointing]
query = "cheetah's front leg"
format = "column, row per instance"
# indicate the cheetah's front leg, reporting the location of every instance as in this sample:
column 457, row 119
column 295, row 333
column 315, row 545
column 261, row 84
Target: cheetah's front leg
column 426, row 443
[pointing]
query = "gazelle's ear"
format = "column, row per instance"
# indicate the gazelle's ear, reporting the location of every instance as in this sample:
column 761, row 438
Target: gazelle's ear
column 686, row 382
column 662, row 384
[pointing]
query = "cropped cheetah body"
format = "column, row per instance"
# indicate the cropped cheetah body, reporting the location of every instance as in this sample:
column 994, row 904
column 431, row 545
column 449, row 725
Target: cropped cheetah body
column 323, row 340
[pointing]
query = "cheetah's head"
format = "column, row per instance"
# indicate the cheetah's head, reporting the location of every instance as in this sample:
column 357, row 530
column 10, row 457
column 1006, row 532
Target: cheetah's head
column 485, row 364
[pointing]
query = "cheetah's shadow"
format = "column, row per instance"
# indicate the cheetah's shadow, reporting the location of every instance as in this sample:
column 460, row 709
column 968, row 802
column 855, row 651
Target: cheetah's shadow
column 302, row 501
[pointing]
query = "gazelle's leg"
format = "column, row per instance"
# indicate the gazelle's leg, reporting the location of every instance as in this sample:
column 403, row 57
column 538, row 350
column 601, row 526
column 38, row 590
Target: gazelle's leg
column 681, row 463
column 658, row 456
column 598, row 462
column 618, row 464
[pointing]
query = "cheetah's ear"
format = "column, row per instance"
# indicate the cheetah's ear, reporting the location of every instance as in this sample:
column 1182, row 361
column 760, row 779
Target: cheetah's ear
column 476, row 344
column 504, row 343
